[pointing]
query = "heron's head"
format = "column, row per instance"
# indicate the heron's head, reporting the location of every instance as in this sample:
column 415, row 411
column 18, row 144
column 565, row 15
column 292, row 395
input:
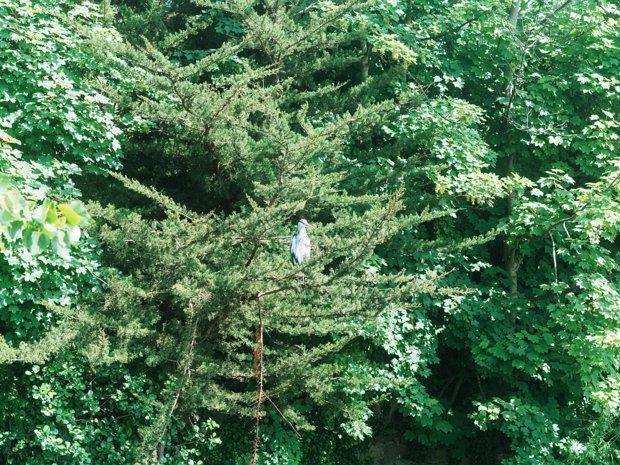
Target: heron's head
column 303, row 224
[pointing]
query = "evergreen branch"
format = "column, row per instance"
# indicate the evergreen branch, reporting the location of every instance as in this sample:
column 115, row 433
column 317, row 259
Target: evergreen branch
column 442, row 244
column 283, row 278
column 242, row 239
column 253, row 254
column 56, row 339
column 260, row 39
column 226, row 103
column 176, row 39
column 390, row 211
column 305, row 9
column 342, row 314
column 255, row 249
column 322, row 25
column 164, row 201
column 184, row 103
column 185, row 375
column 273, row 291
column 284, row 418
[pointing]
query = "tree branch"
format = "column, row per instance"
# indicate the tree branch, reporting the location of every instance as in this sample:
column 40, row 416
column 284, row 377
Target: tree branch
column 186, row 374
column 451, row 30
column 259, row 373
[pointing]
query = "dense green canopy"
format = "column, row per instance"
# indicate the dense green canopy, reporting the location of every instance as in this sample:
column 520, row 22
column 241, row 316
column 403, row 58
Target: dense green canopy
column 459, row 161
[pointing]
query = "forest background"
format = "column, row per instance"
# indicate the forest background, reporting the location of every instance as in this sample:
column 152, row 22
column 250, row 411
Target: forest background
column 459, row 160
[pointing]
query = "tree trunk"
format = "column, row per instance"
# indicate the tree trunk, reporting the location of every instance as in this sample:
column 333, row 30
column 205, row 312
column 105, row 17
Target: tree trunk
column 511, row 263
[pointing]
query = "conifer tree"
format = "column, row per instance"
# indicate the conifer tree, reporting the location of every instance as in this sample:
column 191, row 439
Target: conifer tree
column 268, row 127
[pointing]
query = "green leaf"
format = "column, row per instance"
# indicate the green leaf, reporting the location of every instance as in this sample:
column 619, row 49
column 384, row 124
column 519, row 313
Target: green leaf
column 71, row 215
column 8, row 139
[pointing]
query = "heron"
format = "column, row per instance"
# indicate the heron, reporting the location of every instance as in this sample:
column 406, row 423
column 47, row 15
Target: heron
column 300, row 243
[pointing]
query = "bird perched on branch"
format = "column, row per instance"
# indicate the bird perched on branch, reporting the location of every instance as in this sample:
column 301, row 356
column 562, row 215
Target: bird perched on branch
column 300, row 243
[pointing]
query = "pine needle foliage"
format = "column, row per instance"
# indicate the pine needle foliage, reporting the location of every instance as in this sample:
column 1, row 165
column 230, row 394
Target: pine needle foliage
column 263, row 143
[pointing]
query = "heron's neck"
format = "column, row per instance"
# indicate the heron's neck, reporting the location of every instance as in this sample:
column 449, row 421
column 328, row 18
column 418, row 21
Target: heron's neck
column 302, row 231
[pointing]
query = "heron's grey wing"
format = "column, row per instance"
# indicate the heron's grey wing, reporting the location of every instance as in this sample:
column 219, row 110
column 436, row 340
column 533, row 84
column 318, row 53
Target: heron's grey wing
column 306, row 248
column 294, row 240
